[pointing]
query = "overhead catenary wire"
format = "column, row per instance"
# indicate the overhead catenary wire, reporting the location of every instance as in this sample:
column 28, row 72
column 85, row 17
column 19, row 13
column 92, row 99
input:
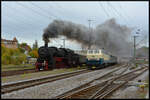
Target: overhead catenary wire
column 111, row 12
column 22, row 13
column 141, row 41
column 14, row 18
column 100, row 4
column 35, row 11
column 117, row 12
column 22, row 17
column 127, row 16
column 12, row 21
column 59, row 10
column 48, row 13
column 14, row 27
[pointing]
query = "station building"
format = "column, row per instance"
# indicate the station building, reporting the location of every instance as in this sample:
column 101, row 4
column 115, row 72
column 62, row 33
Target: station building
column 10, row 43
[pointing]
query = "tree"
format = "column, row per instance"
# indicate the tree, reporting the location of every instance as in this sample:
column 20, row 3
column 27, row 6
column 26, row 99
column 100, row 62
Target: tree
column 24, row 46
column 34, row 53
column 12, row 56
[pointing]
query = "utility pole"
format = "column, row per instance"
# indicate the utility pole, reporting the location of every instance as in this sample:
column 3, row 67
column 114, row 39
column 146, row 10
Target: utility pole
column 64, row 42
column 135, row 46
column 89, row 20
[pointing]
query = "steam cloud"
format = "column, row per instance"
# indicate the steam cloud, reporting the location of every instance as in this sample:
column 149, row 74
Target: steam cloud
column 108, row 35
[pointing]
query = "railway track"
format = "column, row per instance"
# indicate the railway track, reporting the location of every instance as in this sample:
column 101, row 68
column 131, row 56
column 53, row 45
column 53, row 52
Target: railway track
column 104, row 87
column 17, row 72
column 14, row 86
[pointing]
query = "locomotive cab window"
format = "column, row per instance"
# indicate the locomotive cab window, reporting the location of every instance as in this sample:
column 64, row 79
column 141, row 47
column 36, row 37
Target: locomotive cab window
column 90, row 51
column 96, row 51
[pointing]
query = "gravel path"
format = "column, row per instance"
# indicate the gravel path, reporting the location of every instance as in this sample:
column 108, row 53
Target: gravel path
column 50, row 90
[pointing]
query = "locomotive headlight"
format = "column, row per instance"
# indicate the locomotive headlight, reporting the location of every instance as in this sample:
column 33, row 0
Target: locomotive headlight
column 93, row 67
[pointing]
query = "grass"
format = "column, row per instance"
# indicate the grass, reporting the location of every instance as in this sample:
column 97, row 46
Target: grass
column 39, row 74
column 12, row 67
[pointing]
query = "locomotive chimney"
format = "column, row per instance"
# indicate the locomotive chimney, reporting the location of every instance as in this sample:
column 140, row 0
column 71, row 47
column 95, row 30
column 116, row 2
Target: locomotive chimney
column 46, row 44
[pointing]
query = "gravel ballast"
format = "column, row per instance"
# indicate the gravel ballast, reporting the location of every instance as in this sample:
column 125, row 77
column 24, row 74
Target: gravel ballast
column 50, row 90
column 27, row 76
column 131, row 92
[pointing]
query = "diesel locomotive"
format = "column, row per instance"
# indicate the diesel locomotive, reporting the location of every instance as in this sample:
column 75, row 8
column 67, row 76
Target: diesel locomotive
column 97, row 59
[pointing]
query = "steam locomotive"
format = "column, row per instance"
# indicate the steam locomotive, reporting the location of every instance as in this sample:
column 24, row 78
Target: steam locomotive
column 53, row 57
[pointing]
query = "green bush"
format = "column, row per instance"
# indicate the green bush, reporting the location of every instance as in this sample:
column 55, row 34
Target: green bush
column 5, row 59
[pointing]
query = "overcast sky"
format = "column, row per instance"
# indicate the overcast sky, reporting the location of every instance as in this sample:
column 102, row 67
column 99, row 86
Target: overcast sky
column 27, row 20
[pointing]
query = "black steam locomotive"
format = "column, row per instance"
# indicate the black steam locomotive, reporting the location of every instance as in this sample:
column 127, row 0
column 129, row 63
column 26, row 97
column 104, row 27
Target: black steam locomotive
column 53, row 57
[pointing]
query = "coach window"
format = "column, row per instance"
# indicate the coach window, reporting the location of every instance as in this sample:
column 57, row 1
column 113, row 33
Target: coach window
column 97, row 51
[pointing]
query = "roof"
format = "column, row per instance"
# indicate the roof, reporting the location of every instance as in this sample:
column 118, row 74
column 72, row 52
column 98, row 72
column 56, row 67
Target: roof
column 14, row 40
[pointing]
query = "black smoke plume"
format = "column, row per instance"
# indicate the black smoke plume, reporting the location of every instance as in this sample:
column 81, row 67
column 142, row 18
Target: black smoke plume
column 109, row 35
